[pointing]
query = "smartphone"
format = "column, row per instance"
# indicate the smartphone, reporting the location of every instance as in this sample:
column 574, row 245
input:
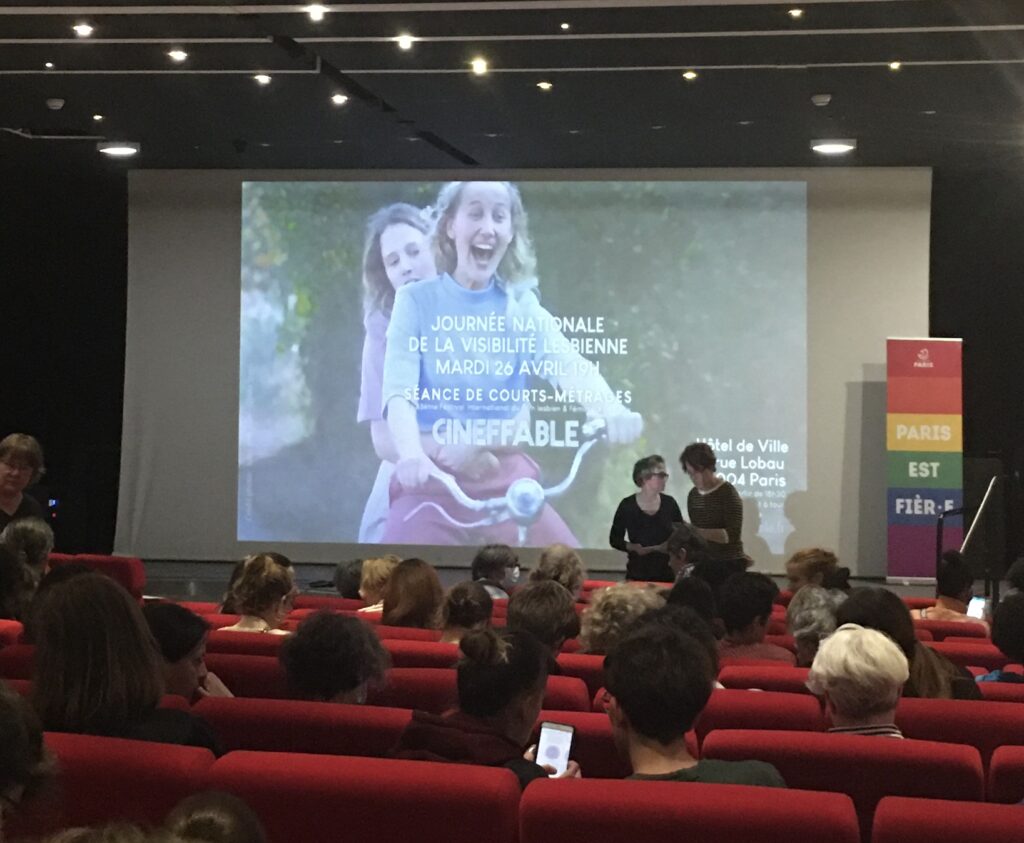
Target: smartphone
column 978, row 608
column 554, row 745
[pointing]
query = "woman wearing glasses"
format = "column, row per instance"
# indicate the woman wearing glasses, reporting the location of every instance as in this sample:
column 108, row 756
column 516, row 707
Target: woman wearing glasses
column 643, row 522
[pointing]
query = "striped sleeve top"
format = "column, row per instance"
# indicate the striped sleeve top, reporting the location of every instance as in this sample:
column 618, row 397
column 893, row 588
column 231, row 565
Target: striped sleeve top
column 720, row 509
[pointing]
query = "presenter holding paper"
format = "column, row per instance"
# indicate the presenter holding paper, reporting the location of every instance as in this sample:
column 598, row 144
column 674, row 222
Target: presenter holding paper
column 643, row 522
column 456, row 395
column 715, row 509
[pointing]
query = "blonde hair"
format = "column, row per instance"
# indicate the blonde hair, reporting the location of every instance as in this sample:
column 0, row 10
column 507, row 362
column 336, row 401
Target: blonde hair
column 564, row 565
column 262, row 582
column 862, row 670
column 612, row 610
column 375, row 575
column 813, row 563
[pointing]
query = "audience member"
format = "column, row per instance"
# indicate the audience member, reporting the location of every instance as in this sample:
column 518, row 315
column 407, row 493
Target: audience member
column 333, row 658
column 695, row 593
column 1008, row 636
column 413, row 596
column 686, row 548
column 31, row 540
column 228, row 605
column 21, row 465
column 51, row 579
column 547, row 611
column 955, row 587
column 97, row 668
column 348, row 577
column 181, row 638
column 745, row 606
column 658, row 680
column 117, row 832
column 810, row 618
column 564, row 565
column 373, row 581
column 611, row 611
column 501, row 682
column 215, row 817
column 25, row 766
column 1015, row 578
column 688, row 621
column 496, row 568
column 932, row 675
column 15, row 587
column 263, row 594
column 467, row 607
column 860, row 673
column 810, row 566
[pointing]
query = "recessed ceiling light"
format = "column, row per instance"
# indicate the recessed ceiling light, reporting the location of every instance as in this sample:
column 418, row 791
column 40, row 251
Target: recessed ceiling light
column 745, row 123
column 177, row 55
column 339, row 99
column 545, row 86
column 796, row 14
column 565, row 26
column 405, row 41
column 338, row 140
column 82, row 30
column 657, row 128
column 834, row 146
column 895, row 65
column 479, row 66
column 931, row 112
column 98, row 118
column 262, row 78
column 574, row 131
column 118, row 149
column 316, row 12
column 690, row 75
column 48, row 65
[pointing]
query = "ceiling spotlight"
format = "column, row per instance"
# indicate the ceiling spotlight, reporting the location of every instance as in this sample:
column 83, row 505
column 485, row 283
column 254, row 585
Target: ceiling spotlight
column 316, row 12
column 82, row 30
column 405, row 41
column 834, row 146
column 339, row 99
column 795, row 14
column 565, row 26
column 48, row 65
column 177, row 55
column 545, row 86
column 262, row 78
column 895, row 65
column 690, row 75
column 118, row 149
column 98, row 118
column 479, row 66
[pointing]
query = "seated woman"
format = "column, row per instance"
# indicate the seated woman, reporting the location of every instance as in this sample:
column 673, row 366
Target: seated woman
column 496, row 568
column 467, row 607
column 263, row 595
column 25, row 765
column 227, row 606
column 611, row 611
column 811, row 566
column 547, row 611
column 564, row 565
column 811, row 618
column 333, row 658
column 181, row 638
column 214, row 817
column 860, row 673
column 501, row 682
column 97, row 668
column 31, row 540
column 413, row 597
column 1008, row 636
column 373, row 581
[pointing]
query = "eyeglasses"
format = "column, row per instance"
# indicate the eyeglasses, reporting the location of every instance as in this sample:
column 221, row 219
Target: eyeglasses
column 663, row 474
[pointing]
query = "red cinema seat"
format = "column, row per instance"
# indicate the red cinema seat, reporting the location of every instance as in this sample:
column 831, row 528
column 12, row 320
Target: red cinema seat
column 200, row 608
column 864, row 768
column 738, row 709
column 215, row 620
column 421, row 653
column 919, row 602
column 330, row 797
column 902, row 820
column 583, row 666
column 595, row 585
column 668, row 812
column 300, row 726
column 499, row 607
column 127, row 570
column 327, row 601
column 923, row 635
column 16, row 661
column 571, row 645
column 105, row 779
column 777, row 625
column 22, row 686
column 593, row 747
column 941, row 630
column 250, row 676
column 1002, row 691
column 979, row 723
column 791, row 680
column 971, row 640
column 981, row 654
column 1006, row 775
column 244, row 643
column 787, row 642
column 406, row 633
column 783, row 599
column 10, row 632
column 60, row 558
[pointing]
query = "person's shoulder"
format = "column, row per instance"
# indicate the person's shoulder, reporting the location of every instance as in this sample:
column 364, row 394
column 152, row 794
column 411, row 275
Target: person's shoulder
column 420, row 291
column 526, row 771
column 758, row 773
column 170, row 725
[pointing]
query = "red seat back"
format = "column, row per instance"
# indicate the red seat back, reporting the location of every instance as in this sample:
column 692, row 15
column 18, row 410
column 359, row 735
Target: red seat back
column 421, row 653
column 244, row 643
column 792, row 680
column 583, row 666
column 250, row 676
column 787, row 642
column 1006, row 775
column 978, row 723
column 127, row 570
column 17, row 660
column 200, row 608
column 406, row 633
column 1002, row 692
column 667, row 812
column 10, row 632
column 300, row 726
column 592, row 744
column 737, row 709
column 326, row 601
column 902, row 820
column 299, row 797
column 981, row 654
column 919, row 602
column 941, row 630
column 864, row 768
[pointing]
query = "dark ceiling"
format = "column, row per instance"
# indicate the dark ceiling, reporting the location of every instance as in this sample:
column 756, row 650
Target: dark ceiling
column 618, row 99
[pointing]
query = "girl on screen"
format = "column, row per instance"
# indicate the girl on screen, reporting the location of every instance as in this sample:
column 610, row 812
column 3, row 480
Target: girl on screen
column 483, row 251
column 397, row 252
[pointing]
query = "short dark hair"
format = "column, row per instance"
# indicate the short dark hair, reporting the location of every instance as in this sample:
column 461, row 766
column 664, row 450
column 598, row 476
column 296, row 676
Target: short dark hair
column 745, row 597
column 699, row 455
column 879, row 608
column 177, row 630
column 1008, row 627
column 685, row 620
column 1015, row 574
column 347, row 577
column 695, row 594
column 498, row 667
column 467, row 604
column 215, row 817
column 491, row 560
column 955, row 575
column 661, row 678
column 644, row 467
column 546, row 610
column 330, row 654
column 23, row 758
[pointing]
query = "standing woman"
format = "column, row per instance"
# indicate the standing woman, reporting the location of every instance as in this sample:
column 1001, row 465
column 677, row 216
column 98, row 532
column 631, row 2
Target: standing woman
column 21, row 464
column 643, row 522
column 715, row 508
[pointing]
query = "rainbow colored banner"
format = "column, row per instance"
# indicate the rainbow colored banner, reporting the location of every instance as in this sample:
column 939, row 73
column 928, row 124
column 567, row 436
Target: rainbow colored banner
column 924, row 440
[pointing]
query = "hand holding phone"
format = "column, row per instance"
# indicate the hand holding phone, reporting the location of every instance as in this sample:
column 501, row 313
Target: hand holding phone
column 978, row 608
column 554, row 746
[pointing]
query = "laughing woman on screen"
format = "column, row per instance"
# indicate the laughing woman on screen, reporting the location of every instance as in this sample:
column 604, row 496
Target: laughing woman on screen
column 483, row 249
column 397, row 253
